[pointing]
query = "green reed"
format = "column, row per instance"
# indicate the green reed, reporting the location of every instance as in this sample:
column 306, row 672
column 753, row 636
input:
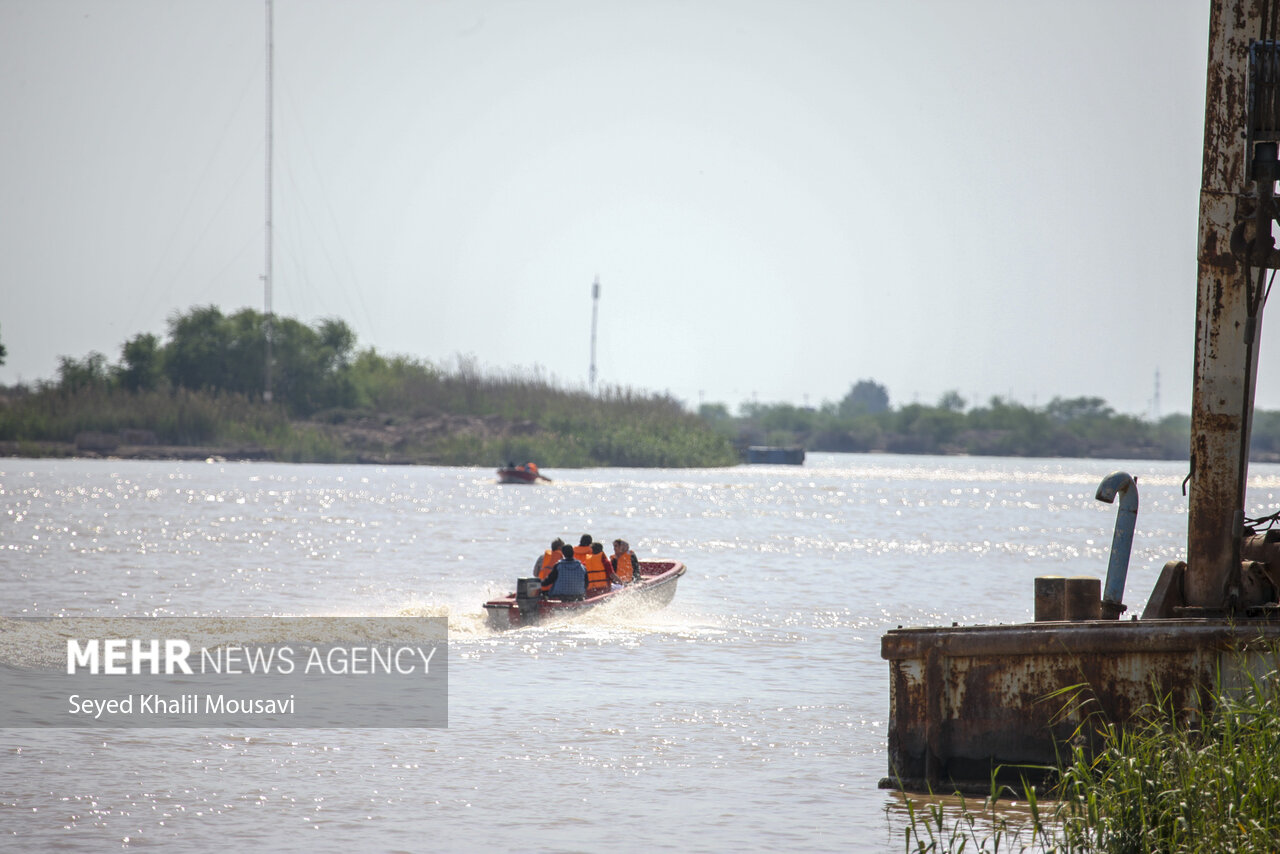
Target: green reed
column 1170, row 781
column 526, row 417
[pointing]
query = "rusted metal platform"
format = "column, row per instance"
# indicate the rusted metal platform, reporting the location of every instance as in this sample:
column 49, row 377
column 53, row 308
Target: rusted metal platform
column 966, row 701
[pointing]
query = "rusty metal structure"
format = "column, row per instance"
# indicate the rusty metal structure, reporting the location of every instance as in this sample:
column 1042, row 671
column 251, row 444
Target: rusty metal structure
column 1236, row 251
column 972, row 701
column 966, row 701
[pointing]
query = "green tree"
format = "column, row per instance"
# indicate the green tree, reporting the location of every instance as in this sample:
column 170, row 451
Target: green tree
column 140, row 363
column 866, row 397
column 210, row 350
column 1265, row 433
column 865, row 433
column 926, row 429
column 89, row 372
column 197, row 353
column 1078, row 409
column 951, row 401
column 1010, row 428
column 313, row 364
column 310, row 366
column 717, row 416
column 713, row 412
column 3, row 353
column 245, row 357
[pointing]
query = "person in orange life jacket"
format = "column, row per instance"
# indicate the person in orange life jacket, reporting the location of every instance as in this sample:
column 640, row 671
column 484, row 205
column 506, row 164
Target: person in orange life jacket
column 583, row 549
column 625, row 563
column 567, row 579
column 542, row 564
column 599, row 570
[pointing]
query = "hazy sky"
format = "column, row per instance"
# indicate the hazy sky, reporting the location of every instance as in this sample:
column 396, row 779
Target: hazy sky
column 779, row 198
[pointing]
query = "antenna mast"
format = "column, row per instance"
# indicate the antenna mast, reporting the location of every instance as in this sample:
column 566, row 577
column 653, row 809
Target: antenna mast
column 266, row 276
column 1155, row 400
column 595, row 311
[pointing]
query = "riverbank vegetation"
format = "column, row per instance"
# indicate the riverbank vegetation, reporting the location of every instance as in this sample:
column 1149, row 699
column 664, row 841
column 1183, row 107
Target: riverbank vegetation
column 1076, row 427
column 1168, row 783
column 200, row 392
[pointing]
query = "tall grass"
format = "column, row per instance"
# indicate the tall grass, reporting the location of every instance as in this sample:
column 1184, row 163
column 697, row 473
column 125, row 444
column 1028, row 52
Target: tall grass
column 1166, row 782
column 527, row 418
column 945, row 825
column 180, row 417
column 1172, row 784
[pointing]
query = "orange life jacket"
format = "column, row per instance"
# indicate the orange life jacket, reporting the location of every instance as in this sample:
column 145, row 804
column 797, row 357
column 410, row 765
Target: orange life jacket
column 582, row 553
column 625, row 566
column 549, row 559
column 597, row 573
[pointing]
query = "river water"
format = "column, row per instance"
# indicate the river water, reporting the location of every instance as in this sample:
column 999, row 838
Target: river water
column 751, row 714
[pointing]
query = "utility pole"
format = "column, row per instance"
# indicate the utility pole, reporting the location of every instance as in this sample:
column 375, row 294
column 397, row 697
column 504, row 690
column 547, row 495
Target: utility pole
column 1155, row 400
column 266, row 276
column 595, row 312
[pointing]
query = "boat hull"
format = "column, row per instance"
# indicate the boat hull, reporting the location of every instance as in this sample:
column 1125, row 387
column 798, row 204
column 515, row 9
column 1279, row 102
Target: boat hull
column 775, row 456
column 517, row 475
column 654, row 591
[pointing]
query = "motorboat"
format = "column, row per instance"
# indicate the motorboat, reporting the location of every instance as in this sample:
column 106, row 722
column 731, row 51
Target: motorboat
column 526, row 473
column 653, row 588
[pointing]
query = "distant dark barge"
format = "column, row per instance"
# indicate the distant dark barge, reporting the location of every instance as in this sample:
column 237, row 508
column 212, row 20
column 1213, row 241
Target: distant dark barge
column 766, row 454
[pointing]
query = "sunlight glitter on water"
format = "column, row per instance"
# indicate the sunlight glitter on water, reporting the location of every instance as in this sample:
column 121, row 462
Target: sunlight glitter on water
column 754, row 706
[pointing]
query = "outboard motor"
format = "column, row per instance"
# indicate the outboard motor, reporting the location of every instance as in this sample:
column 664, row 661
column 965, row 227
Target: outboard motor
column 528, row 595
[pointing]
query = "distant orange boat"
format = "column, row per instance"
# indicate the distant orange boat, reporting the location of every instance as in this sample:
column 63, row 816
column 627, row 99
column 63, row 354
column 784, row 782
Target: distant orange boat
column 527, row 473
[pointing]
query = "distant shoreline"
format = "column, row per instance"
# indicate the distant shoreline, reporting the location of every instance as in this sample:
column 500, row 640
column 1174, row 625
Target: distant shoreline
column 181, row 453
column 255, row 453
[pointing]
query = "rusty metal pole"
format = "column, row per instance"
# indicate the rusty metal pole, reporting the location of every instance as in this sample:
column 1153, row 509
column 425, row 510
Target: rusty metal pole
column 1221, row 404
